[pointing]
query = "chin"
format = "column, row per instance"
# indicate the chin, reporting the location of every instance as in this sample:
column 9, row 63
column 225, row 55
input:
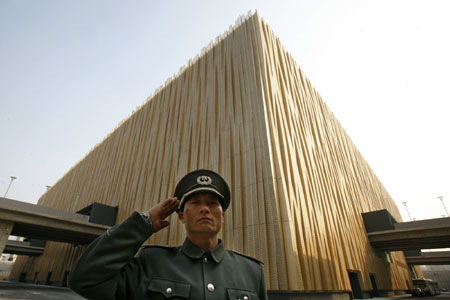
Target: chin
column 208, row 231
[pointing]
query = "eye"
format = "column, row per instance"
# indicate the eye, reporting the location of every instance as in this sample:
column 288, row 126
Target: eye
column 213, row 202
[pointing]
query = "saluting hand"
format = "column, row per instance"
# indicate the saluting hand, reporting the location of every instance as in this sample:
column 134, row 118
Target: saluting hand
column 161, row 211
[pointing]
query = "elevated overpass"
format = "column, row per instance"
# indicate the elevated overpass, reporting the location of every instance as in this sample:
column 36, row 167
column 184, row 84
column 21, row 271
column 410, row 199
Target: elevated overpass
column 429, row 258
column 424, row 234
column 386, row 234
column 23, row 248
column 44, row 223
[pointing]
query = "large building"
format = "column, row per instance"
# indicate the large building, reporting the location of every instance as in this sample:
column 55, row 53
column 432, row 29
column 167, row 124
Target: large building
column 298, row 184
column 440, row 274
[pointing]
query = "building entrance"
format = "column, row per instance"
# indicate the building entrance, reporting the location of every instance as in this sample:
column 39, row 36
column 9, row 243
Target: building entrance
column 356, row 285
column 375, row 292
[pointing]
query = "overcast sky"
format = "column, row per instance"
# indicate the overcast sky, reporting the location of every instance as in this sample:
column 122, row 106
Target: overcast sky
column 70, row 71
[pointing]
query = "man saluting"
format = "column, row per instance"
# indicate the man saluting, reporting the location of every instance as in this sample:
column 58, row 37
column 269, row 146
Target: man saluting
column 201, row 268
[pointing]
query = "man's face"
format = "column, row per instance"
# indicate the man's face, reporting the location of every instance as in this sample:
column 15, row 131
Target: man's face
column 202, row 214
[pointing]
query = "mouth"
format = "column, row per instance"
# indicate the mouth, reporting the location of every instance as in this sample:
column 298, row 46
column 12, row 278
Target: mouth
column 205, row 220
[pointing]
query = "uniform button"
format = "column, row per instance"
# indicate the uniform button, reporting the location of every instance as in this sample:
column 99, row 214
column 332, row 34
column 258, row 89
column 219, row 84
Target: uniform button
column 169, row 291
column 211, row 287
column 206, row 260
column 245, row 298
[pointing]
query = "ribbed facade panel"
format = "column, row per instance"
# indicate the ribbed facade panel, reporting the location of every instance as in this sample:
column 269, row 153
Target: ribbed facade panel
column 298, row 184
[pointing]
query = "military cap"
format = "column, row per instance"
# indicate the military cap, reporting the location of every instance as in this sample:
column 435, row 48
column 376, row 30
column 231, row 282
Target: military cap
column 202, row 181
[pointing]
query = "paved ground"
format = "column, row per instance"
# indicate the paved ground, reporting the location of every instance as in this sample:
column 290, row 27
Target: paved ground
column 21, row 291
column 443, row 296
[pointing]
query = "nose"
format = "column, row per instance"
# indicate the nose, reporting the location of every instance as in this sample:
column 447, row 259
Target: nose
column 204, row 208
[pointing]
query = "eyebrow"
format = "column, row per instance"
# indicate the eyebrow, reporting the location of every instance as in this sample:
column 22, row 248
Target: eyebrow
column 212, row 197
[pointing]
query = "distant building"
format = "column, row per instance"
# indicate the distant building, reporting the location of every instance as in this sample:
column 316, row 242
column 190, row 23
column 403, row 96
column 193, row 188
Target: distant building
column 6, row 263
column 440, row 274
column 299, row 185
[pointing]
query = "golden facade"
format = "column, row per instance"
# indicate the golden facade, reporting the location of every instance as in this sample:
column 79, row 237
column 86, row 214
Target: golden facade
column 244, row 109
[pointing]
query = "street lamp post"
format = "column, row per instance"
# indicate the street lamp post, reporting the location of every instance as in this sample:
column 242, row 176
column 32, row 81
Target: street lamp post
column 404, row 203
column 12, row 179
column 48, row 187
column 443, row 204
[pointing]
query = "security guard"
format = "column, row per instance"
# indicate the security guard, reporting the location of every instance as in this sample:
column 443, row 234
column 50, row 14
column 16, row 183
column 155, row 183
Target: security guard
column 199, row 269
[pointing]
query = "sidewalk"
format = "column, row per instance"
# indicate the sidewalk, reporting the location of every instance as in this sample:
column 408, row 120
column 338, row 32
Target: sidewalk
column 392, row 297
column 26, row 291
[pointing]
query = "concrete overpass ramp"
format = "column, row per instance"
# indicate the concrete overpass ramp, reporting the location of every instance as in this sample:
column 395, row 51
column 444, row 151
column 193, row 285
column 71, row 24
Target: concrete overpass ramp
column 428, row 258
column 430, row 235
column 44, row 223
column 23, row 248
column 386, row 234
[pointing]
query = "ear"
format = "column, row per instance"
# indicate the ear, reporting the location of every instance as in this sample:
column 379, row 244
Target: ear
column 223, row 217
column 181, row 217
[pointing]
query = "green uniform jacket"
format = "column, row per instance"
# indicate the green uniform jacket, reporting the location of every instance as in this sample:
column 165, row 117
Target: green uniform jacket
column 109, row 270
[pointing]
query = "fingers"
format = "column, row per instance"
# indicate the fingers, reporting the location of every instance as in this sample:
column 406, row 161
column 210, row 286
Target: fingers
column 160, row 212
column 168, row 207
column 164, row 224
column 170, row 203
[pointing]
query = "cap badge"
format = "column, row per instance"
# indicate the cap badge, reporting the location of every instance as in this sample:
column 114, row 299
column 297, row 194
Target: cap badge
column 204, row 180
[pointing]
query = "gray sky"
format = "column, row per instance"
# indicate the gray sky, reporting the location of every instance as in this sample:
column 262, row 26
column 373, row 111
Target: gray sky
column 70, row 71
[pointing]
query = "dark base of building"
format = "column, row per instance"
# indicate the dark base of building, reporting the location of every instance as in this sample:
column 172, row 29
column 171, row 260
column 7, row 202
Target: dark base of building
column 277, row 295
column 39, row 282
column 327, row 295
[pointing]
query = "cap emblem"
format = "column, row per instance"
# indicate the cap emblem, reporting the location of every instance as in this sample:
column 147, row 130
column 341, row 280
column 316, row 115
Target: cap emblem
column 204, row 180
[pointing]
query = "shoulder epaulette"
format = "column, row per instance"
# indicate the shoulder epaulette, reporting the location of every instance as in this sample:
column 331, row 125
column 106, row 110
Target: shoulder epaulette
column 249, row 257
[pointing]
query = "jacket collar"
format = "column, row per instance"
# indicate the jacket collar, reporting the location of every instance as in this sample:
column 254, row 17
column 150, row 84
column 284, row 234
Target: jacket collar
column 193, row 251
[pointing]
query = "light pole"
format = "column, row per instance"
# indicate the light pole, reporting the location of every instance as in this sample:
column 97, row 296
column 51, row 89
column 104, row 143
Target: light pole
column 12, row 179
column 48, row 187
column 404, row 203
column 443, row 204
